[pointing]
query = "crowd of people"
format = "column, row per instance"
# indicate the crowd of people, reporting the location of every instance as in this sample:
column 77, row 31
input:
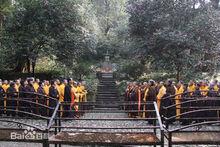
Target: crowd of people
column 166, row 94
column 32, row 95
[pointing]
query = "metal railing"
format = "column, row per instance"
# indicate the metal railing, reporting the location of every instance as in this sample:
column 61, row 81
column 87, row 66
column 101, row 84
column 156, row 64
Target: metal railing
column 193, row 115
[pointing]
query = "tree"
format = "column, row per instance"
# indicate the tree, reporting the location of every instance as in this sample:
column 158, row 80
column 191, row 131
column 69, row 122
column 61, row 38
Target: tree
column 52, row 28
column 176, row 34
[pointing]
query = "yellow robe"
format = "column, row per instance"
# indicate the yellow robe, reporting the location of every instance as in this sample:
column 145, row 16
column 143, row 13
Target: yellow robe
column 46, row 89
column 216, row 89
column 145, row 99
column 5, row 87
column 61, row 92
column 204, row 90
column 178, row 100
column 191, row 89
column 17, row 87
column 161, row 93
column 36, row 86
column 84, row 93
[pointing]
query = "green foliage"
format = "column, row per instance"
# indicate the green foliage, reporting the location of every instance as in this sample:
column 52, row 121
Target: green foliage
column 178, row 35
column 53, row 29
column 132, row 70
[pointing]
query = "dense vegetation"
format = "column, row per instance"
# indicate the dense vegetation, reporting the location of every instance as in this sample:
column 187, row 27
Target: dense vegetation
column 173, row 38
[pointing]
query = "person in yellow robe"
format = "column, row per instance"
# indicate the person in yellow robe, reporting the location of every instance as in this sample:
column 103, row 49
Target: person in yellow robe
column 84, row 91
column 216, row 86
column 161, row 93
column 62, row 89
column 179, row 92
column 204, row 88
column 145, row 89
column 191, row 87
column 75, row 92
column 61, row 93
column 17, row 85
column 36, row 84
column 5, row 87
column 46, row 87
column 79, row 92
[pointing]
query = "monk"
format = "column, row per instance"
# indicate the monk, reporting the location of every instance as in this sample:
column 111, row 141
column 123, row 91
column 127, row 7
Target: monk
column 11, row 99
column 41, row 100
column 1, row 99
column 178, row 97
column 36, row 84
column 67, row 97
column 53, row 93
column 161, row 94
column 61, row 94
column 151, row 97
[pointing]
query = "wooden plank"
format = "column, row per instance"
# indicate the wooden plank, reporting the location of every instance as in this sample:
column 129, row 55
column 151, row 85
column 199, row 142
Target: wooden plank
column 104, row 138
column 196, row 137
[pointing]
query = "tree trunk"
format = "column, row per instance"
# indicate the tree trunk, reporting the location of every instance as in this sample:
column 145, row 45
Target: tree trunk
column 28, row 66
column 178, row 73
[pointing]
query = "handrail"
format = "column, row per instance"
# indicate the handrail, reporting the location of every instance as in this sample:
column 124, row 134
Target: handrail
column 187, row 92
column 195, row 124
column 33, row 93
column 28, row 113
column 191, row 112
column 53, row 116
column 120, row 103
column 194, row 100
column 158, row 116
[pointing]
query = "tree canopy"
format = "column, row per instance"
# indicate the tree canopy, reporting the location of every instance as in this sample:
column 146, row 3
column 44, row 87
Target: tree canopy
column 177, row 37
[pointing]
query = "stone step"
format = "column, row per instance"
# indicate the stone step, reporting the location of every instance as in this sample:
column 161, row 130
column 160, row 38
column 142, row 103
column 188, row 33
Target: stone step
column 107, row 83
column 106, row 93
column 104, row 109
column 106, row 86
column 102, row 93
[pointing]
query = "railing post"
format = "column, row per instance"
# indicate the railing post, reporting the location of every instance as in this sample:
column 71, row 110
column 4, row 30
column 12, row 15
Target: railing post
column 169, row 139
column 162, row 138
column 45, row 142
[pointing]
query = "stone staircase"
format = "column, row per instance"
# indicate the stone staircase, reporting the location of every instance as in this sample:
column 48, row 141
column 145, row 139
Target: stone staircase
column 107, row 97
